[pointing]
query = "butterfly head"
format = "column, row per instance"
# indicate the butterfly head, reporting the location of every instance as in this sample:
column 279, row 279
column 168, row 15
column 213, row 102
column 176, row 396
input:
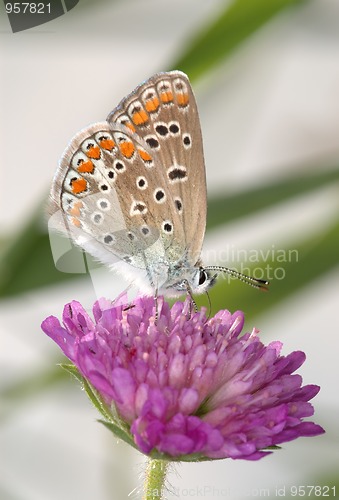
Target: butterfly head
column 199, row 279
column 202, row 280
column 193, row 280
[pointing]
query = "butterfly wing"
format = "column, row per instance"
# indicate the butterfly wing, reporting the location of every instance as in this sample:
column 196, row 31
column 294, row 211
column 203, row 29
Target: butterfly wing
column 163, row 112
column 110, row 195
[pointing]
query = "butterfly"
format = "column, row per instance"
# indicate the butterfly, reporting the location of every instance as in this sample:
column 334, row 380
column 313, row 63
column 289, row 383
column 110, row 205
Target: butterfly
column 131, row 191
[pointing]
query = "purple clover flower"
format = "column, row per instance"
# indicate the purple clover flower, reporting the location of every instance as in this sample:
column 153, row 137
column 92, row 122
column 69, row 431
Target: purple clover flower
column 186, row 387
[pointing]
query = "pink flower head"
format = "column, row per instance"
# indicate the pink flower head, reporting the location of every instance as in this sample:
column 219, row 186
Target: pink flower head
column 186, row 387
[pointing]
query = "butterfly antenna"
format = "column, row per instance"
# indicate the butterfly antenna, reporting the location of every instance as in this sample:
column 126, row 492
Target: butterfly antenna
column 249, row 280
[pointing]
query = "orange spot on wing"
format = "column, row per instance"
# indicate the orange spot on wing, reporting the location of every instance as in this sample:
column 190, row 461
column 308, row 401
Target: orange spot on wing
column 76, row 222
column 140, row 117
column 94, row 152
column 75, row 210
column 144, row 155
column 86, row 167
column 129, row 125
column 182, row 99
column 107, row 144
column 79, row 186
column 127, row 149
column 152, row 105
column 166, row 97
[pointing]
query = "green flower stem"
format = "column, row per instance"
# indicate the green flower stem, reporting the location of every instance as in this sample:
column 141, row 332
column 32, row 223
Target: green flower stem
column 155, row 479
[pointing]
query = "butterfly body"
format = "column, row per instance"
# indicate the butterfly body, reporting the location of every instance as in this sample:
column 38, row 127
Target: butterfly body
column 131, row 191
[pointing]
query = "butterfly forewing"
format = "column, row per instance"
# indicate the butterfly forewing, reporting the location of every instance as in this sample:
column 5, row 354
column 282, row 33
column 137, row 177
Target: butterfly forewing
column 163, row 112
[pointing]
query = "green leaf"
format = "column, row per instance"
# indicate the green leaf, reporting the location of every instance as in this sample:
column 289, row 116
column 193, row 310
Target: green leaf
column 119, row 433
column 93, row 395
column 231, row 28
column 73, row 371
column 112, row 420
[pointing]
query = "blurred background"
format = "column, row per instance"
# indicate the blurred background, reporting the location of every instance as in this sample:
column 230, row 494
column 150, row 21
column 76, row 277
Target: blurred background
column 266, row 78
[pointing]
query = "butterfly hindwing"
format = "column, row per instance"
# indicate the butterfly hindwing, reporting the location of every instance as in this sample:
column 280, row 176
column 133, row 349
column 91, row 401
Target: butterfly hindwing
column 111, row 197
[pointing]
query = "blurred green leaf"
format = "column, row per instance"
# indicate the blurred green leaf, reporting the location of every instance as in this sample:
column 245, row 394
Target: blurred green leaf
column 25, row 389
column 233, row 26
column 223, row 209
column 28, row 262
column 316, row 256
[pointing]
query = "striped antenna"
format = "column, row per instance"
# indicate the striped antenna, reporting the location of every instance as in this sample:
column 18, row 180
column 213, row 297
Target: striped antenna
column 249, row 280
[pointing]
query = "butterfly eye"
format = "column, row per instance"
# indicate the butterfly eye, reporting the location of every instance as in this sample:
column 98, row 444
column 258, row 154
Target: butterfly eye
column 203, row 276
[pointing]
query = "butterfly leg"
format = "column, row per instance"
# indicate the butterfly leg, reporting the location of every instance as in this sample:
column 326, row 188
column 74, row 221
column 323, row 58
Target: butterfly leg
column 190, row 294
column 156, row 316
column 127, row 308
column 129, row 305
column 209, row 305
